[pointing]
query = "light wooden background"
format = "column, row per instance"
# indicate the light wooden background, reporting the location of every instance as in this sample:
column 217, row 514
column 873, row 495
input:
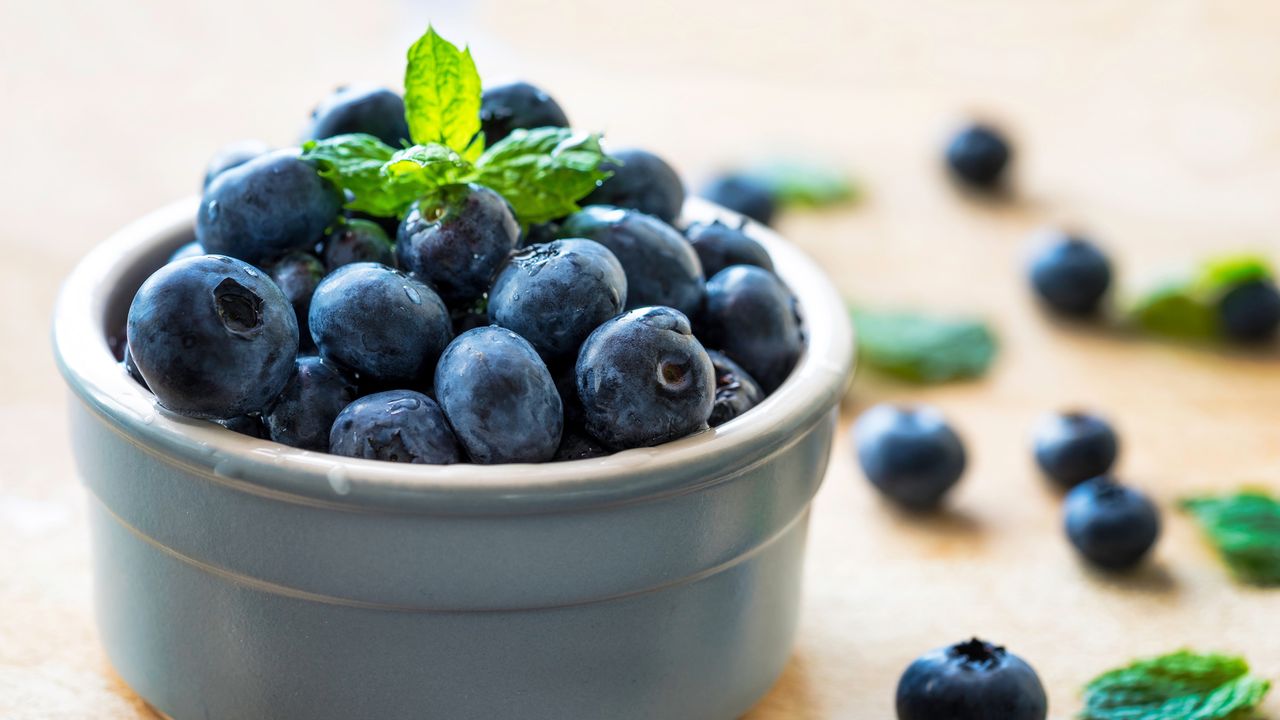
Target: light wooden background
column 1153, row 124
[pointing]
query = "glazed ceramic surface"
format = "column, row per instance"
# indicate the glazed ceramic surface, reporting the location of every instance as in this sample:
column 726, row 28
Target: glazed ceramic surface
column 238, row 578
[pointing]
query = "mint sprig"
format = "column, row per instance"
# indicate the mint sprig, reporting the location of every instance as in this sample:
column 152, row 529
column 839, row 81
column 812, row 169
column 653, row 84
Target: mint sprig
column 1245, row 528
column 795, row 183
column 923, row 348
column 1182, row 685
column 1187, row 308
column 542, row 172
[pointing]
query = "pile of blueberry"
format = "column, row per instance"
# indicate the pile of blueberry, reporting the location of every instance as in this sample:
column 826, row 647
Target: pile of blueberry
column 454, row 334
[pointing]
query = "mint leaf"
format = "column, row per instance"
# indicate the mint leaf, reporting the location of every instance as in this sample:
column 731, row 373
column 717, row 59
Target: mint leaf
column 798, row 183
column 354, row 163
column 543, row 172
column 442, row 96
column 1221, row 274
column 924, row 349
column 1176, row 310
column 428, row 166
column 1245, row 528
column 1182, row 685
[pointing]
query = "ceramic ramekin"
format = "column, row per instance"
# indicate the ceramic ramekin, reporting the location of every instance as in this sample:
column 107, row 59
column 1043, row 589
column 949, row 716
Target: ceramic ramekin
column 238, row 578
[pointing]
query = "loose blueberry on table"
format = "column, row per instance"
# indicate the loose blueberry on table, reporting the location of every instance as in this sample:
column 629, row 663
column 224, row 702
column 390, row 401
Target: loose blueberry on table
column 972, row 680
column 978, row 155
column 513, row 317
column 1070, row 274
column 1111, row 525
column 910, row 454
column 1075, row 446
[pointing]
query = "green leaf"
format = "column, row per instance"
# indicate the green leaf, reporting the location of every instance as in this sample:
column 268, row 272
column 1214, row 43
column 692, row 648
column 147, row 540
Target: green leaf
column 1245, row 528
column 798, row 183
column 1220, row 274
column 1176, row 310
column 1178, row 686
column 543, row 172
column 354, row 163
column 428, row 166
column 922, row 348
column 442, row 96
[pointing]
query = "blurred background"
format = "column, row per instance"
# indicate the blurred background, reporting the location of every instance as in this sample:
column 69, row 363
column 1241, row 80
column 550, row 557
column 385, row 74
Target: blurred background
column 1154, row 126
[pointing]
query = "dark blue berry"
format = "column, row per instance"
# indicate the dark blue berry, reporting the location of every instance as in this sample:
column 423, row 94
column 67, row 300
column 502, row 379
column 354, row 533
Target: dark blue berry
column 752, row 317
column 643, row 181
column 213, row 336
column 910, row 454
column 1112, row 526
column 661, row 266
column 517, row 105
column 499, row 397
column 1074, row 447
column 555, row 294
column 742, row 194
column 357, row 241
column 719, row 246
column 1250, row 312
column 457, row 245
column 266, row 207
column 973, row 680
column 736, row 391
column 644, row 379
column 304, row 413
column 251, row 425
column 978, row 155
column 297, row 274
column 132, row 368
column 577, row 444
column 379, row 322
column 397, row 426
column 373, row 111
column 1070, row 274
column 233, row 155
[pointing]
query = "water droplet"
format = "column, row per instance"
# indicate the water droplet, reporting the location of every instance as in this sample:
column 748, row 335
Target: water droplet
column 338, row 480
column 148, row 418
column 212, row 210
column 250, row 272
column 413, row 295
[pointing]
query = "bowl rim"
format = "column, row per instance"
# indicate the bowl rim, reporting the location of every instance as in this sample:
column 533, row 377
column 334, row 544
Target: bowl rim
column 262, row 467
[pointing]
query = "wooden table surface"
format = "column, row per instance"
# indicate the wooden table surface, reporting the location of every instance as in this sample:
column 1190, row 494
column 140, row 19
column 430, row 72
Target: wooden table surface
column 1154, row 125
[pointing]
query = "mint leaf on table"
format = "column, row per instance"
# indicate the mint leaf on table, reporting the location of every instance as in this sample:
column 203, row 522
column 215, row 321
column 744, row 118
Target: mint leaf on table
column 1220, row 274
column 1182, row 685
column 798, row 183
column 1188, row 308
column 922, row 348
column 543, row 172
column 442, row 96
column 1245, row 528
column 354, row 163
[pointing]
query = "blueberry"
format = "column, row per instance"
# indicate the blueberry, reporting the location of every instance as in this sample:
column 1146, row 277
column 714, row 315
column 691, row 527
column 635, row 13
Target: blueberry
column 910, row 454
column 457, row 246
column 379, row 322
column 1070, row 274
column 742, row 194
column 213, row 336
column 643, row 182
column 499, row 397
column 555, row 294
column 752, row 317
column 357, row 241
column 303, row 414
column 577, row 444
column 1111, row 525
column 736, row 391
column 719, row 246
column 251, row 425
column 517, row 105
column 233, row 155
column 297, row 274
column 191, row 249
column 266, row 207
column 661, row 266
column 396, row 425
column 1073, row 447
column 972, row 680
column 373, row 111
column 1250, row 312
column 132, row 368
column 644, row 379
column 978, row 155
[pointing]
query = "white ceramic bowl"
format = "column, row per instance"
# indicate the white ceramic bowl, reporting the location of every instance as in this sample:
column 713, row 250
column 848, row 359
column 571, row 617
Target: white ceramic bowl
column 239, row 578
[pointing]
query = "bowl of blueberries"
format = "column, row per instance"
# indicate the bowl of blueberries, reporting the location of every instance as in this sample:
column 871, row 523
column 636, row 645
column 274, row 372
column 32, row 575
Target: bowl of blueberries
column 449, row 413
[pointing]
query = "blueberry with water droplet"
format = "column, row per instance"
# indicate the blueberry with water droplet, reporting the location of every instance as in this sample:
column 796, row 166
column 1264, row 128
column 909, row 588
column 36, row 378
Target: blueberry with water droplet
column 458, row 245
column 398, row 426
column 641, row 181
column 304, row 412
